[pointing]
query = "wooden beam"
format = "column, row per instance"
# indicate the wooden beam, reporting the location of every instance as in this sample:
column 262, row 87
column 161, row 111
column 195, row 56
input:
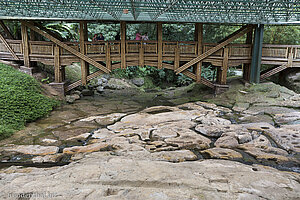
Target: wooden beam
column 177, row 57
column 57, row 71
column 83, row 63
column 141, row 56
column 6, row 30
column 199, row 28
column 47, row 31
column 70, row 49
column 224, row 68
column 241, row 32
column 247, row 66
column 123, row 45
column 159, row 45
column 25, row 44
column 290, row 58
column 8, row 47
column 108, row 58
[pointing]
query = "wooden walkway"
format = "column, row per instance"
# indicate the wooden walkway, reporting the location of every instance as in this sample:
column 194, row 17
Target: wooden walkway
column 177, row 56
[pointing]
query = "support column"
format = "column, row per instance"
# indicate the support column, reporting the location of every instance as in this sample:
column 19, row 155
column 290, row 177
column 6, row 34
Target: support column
column 108, row 58
column 246, row 67
column 222, row 71
column 25, row 45
column 256, row 54
column 141, row 56
column 83, row 37
column 199, row 39
column 28, row 66
column 159, row 45
column 177, row 57
column 59, row 73
column 57, row 70
column 123, row 45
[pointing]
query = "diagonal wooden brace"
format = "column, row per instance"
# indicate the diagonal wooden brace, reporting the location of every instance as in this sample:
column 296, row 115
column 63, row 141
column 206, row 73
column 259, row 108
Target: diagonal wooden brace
column 70, row 49
column 2, row 39
column 239, row 33
column 6, row 30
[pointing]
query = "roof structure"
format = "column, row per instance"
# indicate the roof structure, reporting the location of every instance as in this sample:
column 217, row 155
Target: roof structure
column 204, row 11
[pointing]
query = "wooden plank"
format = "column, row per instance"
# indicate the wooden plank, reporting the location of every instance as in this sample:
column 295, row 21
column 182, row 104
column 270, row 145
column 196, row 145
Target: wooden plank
column 224, row 68
column 159, row 45
column 108, row 58
column 47, row 31
column 241, row 32
column 177, row 57
column 290, row 58
column 57, row 71
column 6, row 30
column 5, row 43
column 64, row 46
column 123, row 45
column 25, row 44
column 273, row 71
column 83, row 63
column 189, row 74
column 141, row 56
column 199, row 50
column 78, row 83
column 247, row 66
column 207, row 83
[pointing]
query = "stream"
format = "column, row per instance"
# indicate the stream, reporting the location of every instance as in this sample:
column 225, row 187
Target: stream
column 65, row 123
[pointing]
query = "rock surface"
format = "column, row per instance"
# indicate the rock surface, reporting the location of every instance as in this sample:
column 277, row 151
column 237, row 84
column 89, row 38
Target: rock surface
column 102, row 176
column 119, row 150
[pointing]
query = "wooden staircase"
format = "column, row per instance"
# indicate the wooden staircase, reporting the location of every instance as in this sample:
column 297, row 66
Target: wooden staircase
column 273, row 71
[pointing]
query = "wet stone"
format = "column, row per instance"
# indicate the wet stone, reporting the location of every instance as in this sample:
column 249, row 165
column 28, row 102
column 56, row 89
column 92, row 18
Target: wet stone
column 189, row 139
column 222, row 153
column 30, row 149
column 174, row 156
column 286, row 138
column 227, row 140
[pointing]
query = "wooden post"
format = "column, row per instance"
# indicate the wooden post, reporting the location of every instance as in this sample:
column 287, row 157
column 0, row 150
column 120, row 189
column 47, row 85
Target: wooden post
column 108, row 58
column 57, row 70
column 25, row 45
column 159, row 45
column 222, row 76
column 177, row 57
column 6, row 30
column 82, row 39
column 199, row 39
column 66, row 47
column 290, row 58
column 246, row 67
column 123, row 45
column 8, row 47
column 63, row 73
column 141, row 56
column 239, row 33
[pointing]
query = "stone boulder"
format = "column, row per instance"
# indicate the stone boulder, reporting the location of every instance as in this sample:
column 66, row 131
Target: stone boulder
column 138, row 81
column 118, row 84
column 291, row 79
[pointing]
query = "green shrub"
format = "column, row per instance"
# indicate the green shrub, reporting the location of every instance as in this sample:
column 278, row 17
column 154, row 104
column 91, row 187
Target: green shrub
column 21, row 100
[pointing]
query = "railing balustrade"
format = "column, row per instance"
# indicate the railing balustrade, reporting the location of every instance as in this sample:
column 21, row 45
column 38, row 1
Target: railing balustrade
column 236, row 51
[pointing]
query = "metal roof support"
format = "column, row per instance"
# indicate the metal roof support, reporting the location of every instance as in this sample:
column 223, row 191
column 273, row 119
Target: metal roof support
column 256, row 54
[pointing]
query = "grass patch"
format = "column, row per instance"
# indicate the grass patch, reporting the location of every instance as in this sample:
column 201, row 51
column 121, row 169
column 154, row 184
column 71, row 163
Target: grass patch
column 21, row 100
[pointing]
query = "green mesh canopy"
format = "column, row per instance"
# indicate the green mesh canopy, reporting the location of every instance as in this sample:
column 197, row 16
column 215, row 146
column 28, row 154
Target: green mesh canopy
column 207, row 11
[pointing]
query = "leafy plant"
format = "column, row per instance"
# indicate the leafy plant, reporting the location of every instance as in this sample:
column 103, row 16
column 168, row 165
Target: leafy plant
column 21, row 100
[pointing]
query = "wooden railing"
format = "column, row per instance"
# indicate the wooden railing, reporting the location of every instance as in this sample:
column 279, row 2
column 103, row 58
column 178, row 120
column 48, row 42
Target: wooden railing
column 45, row 49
